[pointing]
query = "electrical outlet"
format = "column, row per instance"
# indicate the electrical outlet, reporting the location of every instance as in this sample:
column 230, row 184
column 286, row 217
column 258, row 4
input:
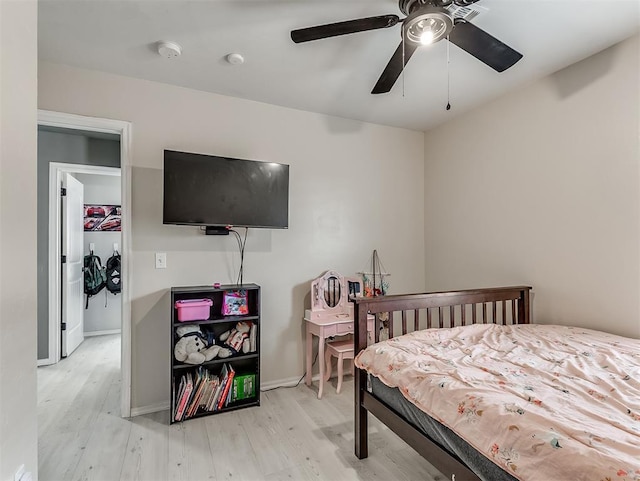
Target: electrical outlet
column 161, row 260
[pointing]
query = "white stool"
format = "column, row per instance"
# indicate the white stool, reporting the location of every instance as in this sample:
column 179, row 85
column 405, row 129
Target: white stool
column 342, row 350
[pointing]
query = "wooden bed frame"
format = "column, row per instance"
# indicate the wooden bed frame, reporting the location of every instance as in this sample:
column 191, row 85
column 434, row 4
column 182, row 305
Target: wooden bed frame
column 506, row 305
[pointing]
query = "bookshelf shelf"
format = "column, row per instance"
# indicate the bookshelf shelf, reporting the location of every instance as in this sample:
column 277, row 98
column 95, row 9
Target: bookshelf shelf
column 219, row 320
column 213, row 362
column 221, row 384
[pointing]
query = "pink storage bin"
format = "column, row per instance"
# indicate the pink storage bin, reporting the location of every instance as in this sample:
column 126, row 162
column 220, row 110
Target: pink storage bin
column 193, row 309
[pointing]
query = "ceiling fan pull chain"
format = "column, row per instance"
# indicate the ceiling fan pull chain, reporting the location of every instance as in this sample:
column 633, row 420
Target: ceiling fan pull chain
column 448, row 77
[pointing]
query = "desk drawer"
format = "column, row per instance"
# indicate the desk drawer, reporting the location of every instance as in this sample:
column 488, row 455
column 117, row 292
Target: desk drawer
column 345, row 328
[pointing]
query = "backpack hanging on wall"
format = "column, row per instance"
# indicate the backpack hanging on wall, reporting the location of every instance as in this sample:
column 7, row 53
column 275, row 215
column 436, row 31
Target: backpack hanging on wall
column 113, row 273
column 95, row 278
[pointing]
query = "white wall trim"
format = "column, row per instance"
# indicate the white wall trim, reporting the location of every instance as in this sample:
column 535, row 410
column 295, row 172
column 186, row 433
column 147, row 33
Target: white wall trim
column 102, row 333
column 152, row 408
column 81, row 122
column 45, row 362
column 288, row 382
column 124, row 129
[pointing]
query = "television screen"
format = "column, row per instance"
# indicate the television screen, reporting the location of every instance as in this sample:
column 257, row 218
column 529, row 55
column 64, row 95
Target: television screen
column 220, row 191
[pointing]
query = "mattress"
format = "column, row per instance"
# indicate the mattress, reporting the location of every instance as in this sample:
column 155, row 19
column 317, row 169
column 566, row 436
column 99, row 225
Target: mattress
column 445, row 437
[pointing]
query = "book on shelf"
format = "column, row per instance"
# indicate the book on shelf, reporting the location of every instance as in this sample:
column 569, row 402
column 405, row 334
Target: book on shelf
column 224, row 377
column 253, row 338
column 215, row 383
column 184, row 399
column 227, row 390
column 173, row 396
column 201, row 377
column 243, row 387
column 178, row 396
column 206, row 389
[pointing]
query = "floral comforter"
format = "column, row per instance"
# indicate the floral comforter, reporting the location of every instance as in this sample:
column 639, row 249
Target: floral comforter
column 543, row 402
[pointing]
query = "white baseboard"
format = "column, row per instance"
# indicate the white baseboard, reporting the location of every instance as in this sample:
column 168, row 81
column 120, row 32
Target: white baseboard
column 102, row 333
column 45, row 362
column 152, row 408
column 288, row 382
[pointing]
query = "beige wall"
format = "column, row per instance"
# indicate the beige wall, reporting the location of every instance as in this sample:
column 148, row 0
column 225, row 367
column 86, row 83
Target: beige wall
column 354, row 187
column 541, row 187
column 18, row 158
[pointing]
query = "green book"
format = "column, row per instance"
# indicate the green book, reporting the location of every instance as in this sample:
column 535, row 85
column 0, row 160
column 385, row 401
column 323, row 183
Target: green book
column 244, row 387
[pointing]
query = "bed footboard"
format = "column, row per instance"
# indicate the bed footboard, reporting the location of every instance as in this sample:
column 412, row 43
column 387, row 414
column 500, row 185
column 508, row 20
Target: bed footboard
column 400, row 314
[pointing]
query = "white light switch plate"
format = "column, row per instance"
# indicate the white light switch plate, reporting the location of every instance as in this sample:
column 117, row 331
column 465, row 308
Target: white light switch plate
column 161, row 260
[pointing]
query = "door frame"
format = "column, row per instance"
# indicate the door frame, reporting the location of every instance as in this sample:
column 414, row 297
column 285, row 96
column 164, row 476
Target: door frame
column 123, row 129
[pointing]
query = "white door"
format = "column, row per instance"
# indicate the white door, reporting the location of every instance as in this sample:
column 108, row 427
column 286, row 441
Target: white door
column 72, row 275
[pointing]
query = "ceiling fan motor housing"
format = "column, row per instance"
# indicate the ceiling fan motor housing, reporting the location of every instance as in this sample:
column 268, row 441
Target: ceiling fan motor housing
column 464, row 3
column 409, row 6
column 434, row 21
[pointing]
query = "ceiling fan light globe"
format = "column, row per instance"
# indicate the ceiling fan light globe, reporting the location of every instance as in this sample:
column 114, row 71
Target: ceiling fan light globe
column 427, row 37
column 432, row 23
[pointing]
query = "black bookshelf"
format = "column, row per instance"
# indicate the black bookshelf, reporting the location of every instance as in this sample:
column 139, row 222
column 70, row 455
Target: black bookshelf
column 246, row 366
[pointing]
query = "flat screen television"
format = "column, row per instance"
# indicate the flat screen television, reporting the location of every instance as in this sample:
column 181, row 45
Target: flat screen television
column 208, row 190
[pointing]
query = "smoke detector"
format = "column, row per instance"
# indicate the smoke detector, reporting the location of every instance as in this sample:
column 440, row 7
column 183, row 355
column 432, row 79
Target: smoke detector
column 169, row 49
column 235, row 59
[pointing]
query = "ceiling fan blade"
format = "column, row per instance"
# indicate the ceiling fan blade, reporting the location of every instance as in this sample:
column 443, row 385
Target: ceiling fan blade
column 394, row 68
column 483, row 46
column 343, row 28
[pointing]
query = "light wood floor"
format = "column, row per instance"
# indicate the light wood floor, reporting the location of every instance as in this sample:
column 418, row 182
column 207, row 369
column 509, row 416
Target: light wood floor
column 291, row 436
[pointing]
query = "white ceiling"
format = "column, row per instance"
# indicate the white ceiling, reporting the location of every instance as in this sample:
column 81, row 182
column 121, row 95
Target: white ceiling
column 332, row 76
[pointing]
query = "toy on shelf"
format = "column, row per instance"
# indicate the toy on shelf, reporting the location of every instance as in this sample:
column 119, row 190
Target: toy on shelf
column 239, row 339
column 193, row 345
column 234, row 303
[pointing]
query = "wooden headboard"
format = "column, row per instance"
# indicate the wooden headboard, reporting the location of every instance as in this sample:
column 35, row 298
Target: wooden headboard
column 410, row 312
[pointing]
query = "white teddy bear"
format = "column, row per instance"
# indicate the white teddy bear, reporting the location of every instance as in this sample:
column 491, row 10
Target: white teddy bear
column 193, row 346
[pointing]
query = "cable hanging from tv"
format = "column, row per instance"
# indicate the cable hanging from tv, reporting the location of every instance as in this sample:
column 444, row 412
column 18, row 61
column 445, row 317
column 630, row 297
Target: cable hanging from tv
column 218, row 230
column 241, row 243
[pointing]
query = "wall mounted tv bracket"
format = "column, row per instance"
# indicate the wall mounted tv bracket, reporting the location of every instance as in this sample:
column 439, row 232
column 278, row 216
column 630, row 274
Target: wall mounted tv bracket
column 216, row 230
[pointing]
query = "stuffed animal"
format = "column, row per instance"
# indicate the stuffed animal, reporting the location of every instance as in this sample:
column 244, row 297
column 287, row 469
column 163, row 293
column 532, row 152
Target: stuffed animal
column 236, row 340
column 193, row 346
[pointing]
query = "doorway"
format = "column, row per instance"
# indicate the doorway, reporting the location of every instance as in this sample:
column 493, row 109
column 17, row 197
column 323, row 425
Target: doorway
column 53, row 317
column 86, row 203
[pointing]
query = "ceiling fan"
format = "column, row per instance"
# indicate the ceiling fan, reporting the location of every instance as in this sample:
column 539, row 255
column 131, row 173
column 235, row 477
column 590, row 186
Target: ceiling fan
column 426, row 21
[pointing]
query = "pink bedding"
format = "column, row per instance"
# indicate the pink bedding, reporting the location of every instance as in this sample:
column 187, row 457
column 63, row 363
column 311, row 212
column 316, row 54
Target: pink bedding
column 543, row 402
